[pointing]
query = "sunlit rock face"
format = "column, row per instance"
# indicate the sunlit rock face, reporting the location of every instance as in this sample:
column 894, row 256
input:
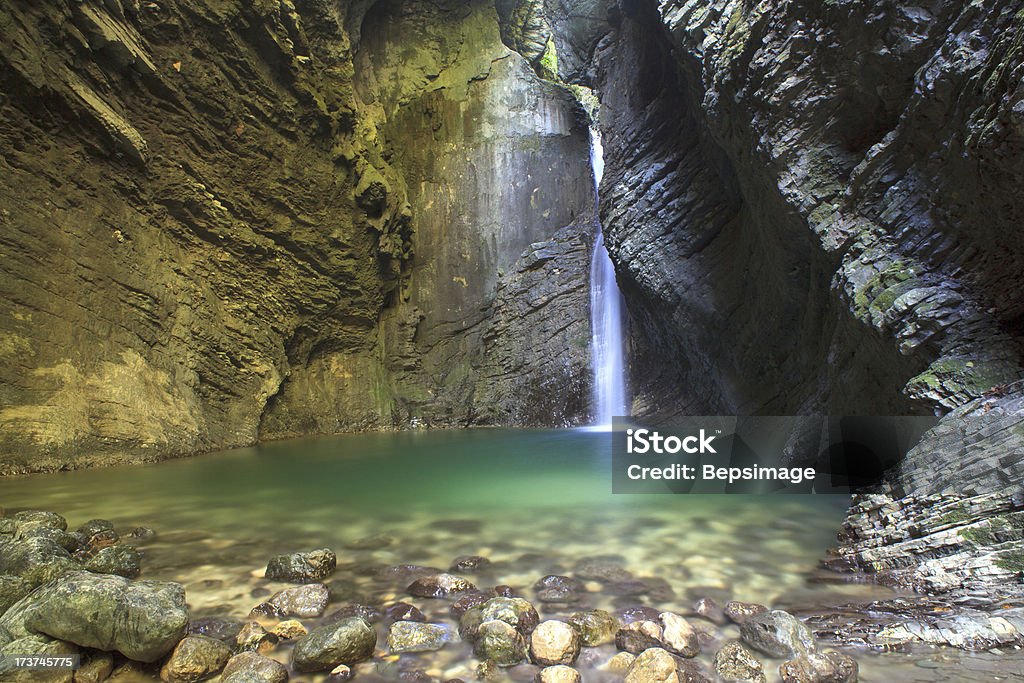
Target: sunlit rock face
column 231, row 220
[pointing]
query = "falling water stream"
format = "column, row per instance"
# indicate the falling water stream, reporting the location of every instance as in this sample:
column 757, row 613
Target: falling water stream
column 606, row 337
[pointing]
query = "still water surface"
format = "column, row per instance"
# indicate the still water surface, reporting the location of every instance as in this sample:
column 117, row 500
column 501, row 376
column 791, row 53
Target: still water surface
column 534, row 502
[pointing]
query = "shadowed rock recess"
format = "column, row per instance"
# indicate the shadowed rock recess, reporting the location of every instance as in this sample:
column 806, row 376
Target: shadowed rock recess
column 227, row 220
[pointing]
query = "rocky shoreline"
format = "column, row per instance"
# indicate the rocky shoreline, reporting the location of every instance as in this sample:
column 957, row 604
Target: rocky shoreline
column 77, row 592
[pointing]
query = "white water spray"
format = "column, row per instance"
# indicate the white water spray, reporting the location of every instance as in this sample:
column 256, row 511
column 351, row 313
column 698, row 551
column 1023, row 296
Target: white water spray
column 606, row 335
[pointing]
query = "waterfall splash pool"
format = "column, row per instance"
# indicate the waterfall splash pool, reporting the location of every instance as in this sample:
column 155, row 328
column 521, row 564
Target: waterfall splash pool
column 533, row 502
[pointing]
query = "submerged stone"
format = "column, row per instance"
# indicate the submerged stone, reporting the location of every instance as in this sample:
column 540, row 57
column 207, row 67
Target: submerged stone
column 439, row 586
column 310, row 567
column 499, row 642
column 516, row 612
column 412, row 636
column 346, row 642
column 778, row 633
column 403, row 611
column 741, row 612
column 556, row 588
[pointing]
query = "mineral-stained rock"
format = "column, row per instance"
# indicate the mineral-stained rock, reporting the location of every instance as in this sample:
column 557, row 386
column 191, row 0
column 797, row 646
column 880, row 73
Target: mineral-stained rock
column 439, row 586
column 554, row 642
column 411, row 636
column 122, row 560
column 30, row 519
column 34, row 645
column 596, row 627
column 516, row 612
column 736, row 663
column 499, row 642
column 195, row 658
column 555, row 588
column 249, row 667
column 142, row 620
column 778, row 633
column 290, row 629
column 346, row 642
column 12, row 589
column 36, row 560
column 310, row 567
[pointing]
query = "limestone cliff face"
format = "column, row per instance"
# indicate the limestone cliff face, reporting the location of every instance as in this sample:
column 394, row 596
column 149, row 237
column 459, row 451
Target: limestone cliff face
column 227, row 220
column 810, row 206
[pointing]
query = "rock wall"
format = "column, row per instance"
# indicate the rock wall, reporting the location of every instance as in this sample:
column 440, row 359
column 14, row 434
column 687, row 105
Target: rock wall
column 809, row 207
column 231, row 220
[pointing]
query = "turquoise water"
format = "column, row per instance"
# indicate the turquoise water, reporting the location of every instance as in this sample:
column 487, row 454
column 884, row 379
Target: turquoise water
column 534, row 502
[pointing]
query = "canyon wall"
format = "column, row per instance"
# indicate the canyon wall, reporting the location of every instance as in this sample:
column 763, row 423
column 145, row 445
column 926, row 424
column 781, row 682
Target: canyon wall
column 811, row 210
column 230, row 220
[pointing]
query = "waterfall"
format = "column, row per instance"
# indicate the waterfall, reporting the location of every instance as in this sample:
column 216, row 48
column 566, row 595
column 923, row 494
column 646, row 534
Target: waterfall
column 606, row 326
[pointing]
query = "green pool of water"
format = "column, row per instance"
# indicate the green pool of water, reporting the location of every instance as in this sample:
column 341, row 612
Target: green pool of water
column 534, row 502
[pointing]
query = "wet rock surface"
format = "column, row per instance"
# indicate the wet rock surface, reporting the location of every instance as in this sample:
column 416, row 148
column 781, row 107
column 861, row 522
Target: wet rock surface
column 777, row 633
column 348, row 641
column 306, row 567
column 195, row 658
column 409, row 636
column 736, row 663
column 143, row 620
column 553, row 643
column 309, row 600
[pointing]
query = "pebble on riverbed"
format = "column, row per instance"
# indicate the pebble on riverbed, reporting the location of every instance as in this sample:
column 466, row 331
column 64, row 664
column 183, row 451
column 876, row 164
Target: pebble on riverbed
column 506, row 633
